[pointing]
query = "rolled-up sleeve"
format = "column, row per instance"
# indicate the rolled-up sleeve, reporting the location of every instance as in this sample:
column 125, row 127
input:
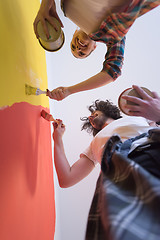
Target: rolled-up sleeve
column 114, row 59
column 89, row 153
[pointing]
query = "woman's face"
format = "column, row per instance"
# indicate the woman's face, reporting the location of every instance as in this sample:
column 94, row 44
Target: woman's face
column 81, row 44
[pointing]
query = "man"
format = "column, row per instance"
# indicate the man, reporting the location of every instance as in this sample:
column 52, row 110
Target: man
column 127, row 197
column 106, row 119
column 112, row 32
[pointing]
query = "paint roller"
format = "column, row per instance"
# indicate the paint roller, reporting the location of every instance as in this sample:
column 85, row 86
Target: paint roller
column 29, row 90
column 48, row 116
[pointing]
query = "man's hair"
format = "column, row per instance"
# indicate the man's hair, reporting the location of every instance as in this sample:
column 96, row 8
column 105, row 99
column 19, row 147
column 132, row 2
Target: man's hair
column 107, row 108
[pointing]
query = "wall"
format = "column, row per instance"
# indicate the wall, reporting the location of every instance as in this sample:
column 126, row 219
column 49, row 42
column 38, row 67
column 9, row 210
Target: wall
column 26, row 172
column 141, row 66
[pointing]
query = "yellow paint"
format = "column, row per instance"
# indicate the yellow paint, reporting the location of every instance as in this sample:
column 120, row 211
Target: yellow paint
column 22, row 59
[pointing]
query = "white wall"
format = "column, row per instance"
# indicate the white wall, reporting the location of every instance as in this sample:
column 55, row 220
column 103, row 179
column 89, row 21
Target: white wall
column 141, row 66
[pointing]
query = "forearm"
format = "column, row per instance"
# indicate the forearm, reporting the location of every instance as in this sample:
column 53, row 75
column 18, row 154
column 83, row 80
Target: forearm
column 96, row 81
column 61, row 164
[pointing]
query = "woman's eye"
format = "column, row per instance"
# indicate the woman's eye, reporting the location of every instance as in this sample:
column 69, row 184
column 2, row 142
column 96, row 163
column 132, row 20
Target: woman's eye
column 73, row 46
column 81, row 53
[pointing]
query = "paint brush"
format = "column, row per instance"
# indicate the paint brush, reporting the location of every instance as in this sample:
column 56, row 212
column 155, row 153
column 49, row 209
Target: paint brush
column 48, row 116
column 29, row 90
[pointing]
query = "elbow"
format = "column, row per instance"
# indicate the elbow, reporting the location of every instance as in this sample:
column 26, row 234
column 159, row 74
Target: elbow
column 63, row 184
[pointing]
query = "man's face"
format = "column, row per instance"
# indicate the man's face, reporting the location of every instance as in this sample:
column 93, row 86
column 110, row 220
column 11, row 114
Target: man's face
column 97, row 120
column 81, row 44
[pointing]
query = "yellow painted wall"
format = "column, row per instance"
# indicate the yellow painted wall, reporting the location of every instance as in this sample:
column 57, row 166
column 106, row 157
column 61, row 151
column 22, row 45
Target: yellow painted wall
column 22, row 59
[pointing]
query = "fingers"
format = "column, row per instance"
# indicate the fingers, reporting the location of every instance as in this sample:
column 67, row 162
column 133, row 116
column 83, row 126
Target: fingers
column 57, row 94
column 137, row 114
column 141, row 92
column 155, row 95
column 132, row 108
column 58, row 123
column 44, row 25
column 59, row 20
column 35, row 28
column 50, row 20
column 55, row 125
column 133, row 99
column 60, row 94
column 53, row 13
column 48, row 93
column 45, row 28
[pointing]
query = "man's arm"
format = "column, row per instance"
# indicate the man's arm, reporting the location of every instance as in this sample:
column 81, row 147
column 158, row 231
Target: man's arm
column 46, row 11
column 148, row 107
column 111, row 70
column 68, row 175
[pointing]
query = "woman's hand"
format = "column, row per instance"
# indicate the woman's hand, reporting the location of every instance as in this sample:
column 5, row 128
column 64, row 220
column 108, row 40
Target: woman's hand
column 59, row 93
column 46, row 12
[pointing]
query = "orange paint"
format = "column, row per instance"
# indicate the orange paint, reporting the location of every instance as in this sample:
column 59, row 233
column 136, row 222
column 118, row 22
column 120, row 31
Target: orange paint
column 26, row 174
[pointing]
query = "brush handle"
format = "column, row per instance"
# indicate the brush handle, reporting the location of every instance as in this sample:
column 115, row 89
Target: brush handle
column 39, row 91
column 48, row 116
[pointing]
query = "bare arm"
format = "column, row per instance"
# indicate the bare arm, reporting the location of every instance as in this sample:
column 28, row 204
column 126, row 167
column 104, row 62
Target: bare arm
column 46, row 11
column 148, row 107
column 96, row 81
column 68, row 175
column 111, row 70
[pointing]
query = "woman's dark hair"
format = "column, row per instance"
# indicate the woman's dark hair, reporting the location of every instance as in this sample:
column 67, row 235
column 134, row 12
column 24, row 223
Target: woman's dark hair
column 108, row 108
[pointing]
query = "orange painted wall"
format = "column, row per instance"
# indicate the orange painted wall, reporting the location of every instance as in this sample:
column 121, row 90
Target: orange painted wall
column 27, row 207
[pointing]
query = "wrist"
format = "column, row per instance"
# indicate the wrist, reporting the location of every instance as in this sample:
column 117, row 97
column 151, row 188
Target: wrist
column 71, row 90
column 57, row 139
column 46, row 4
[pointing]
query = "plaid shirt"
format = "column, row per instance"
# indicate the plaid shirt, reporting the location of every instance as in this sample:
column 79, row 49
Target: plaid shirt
column 114, row 28
column 126, row 203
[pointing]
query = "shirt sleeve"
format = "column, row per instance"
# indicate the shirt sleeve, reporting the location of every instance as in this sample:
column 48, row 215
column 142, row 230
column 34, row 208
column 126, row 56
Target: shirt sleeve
column 114, row 59
column 89, row 154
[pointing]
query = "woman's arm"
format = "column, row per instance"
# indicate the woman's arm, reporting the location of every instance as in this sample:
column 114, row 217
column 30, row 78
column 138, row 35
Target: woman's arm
column 111, row 71
column 96, row 81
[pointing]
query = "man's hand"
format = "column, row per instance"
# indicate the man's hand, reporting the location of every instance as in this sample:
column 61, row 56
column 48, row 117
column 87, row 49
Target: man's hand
column 59, row 129
column 148, row 107
column 46, row 12
column 59, row 93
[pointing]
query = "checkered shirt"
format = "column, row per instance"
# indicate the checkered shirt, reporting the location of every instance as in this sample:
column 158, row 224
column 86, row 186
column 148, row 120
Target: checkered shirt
column 126, row 203
column 113, row 29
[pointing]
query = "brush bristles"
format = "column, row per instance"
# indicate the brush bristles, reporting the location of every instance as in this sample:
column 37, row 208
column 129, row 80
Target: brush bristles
column 30, row 90
column 48, row 116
